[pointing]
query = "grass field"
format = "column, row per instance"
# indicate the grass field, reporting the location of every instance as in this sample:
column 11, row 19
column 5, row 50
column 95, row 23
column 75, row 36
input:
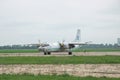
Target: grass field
column 74, row 50
column 61, row 60
column 97, row 50
column 19, row 51
column 49, row 77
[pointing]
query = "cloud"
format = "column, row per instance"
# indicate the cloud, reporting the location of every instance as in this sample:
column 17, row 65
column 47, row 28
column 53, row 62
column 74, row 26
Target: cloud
column 52, row 20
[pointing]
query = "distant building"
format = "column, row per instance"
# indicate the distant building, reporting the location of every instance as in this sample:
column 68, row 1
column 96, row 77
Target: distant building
column 118, row 41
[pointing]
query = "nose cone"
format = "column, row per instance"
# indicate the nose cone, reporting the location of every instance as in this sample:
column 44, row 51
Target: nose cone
column 41, row 49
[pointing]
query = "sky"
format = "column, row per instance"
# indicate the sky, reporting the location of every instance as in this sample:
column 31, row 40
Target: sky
column 27, row 21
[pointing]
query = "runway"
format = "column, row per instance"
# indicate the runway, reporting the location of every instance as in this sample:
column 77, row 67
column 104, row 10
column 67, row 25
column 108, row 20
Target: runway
column 62, row 54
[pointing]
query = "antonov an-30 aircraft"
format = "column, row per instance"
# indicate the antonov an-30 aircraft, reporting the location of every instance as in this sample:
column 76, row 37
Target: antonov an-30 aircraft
column 61, row 47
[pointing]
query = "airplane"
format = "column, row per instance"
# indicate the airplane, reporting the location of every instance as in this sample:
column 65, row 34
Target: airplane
column 47, row 48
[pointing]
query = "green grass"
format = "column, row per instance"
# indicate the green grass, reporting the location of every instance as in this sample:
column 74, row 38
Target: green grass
column 49, row 77
column 19, row 51
column 61, row 60
column 97, row 50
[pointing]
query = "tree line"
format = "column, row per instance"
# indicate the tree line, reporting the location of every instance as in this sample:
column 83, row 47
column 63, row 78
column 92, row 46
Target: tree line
column 35, row 47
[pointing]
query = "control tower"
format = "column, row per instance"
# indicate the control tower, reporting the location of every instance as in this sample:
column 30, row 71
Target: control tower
column 118, row 41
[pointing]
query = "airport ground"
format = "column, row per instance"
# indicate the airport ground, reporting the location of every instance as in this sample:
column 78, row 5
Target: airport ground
column 63, row 54
column 81, row 70
column 109, row 65
column 75, row 50
column 49, row 77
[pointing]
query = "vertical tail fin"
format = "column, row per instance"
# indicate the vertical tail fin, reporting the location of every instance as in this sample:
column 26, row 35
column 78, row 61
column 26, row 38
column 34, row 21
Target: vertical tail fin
column 78, row 39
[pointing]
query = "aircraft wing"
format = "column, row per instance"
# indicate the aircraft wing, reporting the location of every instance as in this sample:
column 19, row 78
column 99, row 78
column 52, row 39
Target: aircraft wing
column 41, row 44
column 72, row 44
column 78, row 43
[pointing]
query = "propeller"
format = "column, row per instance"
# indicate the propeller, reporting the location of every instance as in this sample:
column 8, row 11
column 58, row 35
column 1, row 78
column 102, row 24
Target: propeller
column 62, row 45
column 39, row 43
column 42, row 44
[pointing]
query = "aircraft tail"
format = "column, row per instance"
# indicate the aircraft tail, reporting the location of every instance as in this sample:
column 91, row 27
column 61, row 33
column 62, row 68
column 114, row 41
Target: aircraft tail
column 78, row 39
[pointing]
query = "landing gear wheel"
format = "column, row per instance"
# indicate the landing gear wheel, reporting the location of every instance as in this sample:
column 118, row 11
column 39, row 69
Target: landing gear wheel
column 45, row 53
column 70, row 53
column 49, row 53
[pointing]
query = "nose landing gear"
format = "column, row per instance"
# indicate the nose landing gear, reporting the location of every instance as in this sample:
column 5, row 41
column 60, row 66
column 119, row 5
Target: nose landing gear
column 70, row 53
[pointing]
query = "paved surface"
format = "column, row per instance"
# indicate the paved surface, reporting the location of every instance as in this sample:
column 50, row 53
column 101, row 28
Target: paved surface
column 95, row 70
column 63, row 54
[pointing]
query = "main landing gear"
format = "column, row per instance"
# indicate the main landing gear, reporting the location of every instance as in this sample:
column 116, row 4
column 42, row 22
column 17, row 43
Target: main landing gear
column 47, row 53
column 70, row 53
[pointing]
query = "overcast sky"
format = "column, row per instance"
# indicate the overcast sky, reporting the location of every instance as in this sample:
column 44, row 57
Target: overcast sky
column 27, row 21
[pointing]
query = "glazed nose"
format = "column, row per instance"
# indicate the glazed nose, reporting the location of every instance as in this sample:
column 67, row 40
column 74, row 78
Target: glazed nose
column 41, row 48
